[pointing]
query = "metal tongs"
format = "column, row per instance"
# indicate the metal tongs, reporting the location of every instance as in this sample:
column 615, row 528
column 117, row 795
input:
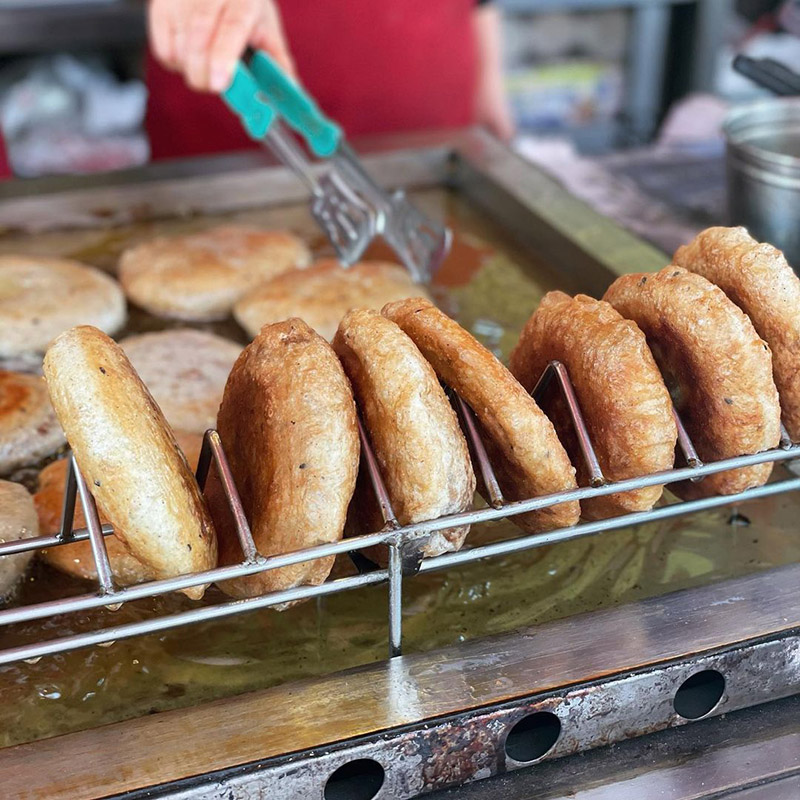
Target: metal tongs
column 346, row 202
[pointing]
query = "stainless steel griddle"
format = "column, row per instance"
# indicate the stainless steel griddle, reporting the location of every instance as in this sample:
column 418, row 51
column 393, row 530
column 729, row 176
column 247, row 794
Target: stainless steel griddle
column 427, row 720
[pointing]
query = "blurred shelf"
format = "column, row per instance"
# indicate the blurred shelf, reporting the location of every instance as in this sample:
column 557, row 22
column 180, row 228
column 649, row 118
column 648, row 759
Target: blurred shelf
column 648, row 43
column 36, row 28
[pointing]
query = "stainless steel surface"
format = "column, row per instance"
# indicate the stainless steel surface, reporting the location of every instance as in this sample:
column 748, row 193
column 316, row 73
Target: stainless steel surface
column 585, row 717
column 457, row 684
column 763, row 162
column 751, row 754
column 443, row 718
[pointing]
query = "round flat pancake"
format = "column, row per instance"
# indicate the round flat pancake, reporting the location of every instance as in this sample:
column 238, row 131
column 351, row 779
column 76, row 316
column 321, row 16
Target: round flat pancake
column 76, row 559
column 323, row 294
column 718, row 370
column 759, row 280
column 288, row 426
column 128, row 455
column 413, row 430
column 17, row 521
column 29, row 429
column 200, row 276
column 522, row 444
column 623, row 399
column 41, row 297
column 185, row 371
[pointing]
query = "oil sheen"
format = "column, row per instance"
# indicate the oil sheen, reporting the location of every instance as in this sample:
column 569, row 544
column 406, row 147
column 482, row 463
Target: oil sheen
column 491, row 287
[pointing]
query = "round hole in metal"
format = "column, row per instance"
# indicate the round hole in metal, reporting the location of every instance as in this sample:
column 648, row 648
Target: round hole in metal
column 356, row 780
column 699, row 694
column 533, row 736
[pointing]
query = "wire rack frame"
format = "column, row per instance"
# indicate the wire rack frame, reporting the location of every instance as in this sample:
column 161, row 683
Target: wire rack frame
column 402, row 540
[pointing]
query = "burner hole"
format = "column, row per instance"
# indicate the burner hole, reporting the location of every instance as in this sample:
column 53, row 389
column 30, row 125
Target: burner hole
column 533, row 736
column 357, row 780
column 699, row 694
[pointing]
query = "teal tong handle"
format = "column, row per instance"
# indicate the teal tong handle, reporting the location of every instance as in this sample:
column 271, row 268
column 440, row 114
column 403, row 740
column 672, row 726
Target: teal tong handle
column 295, row 106
column 243, row 97
column 265, row 85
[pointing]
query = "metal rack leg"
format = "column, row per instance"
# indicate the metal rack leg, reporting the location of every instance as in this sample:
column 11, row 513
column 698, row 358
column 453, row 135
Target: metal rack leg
column 395, row 600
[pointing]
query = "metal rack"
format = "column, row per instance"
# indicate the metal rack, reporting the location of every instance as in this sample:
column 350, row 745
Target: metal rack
column 401, row 540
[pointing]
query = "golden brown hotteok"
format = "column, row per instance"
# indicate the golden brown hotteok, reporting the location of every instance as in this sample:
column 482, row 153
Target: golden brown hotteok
column 526, row 454
column 288, row 426
column 414, row 432
column 128, row 455
column 718, row 370
column 625, row 404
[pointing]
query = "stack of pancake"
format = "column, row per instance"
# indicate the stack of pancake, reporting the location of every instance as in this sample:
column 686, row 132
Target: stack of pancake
column 716, row 335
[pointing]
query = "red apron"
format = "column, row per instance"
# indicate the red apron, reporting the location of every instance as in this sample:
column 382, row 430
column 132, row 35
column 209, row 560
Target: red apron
column 373, row 65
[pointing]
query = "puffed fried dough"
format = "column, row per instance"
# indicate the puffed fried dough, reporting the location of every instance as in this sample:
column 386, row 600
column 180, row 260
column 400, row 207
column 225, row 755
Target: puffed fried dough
column 624, row 401
column 323, row 294
column 759, row 280
column 185, row 371
column 17, row 521
column 525, row 452
column 288, row 426
column 201, row 275
column 128, row 455
column 29, row 430
column 718, row 370
column 41, row 297
column 76, row 559
column 413, row 430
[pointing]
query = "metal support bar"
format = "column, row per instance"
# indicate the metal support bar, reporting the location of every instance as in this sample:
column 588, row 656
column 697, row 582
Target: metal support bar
column 99, row 553
column 403, row 556
column 559, row 371
column 231, row 493
column 68, row 507
column 488, row 476
column 376, row 479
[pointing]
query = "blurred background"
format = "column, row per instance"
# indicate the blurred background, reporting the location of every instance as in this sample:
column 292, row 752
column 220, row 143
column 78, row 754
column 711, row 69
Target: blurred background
column 633, row 89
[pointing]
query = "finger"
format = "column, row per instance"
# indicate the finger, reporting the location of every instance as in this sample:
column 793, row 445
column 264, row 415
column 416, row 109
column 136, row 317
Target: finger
column 230, row 39
column 269, row 35
column 199, row 34
column 160, row 31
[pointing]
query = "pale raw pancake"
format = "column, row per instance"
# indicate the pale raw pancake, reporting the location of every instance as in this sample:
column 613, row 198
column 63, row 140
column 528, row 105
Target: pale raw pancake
column 76, row 559
column 757, row 277
column 414, row 432
column 17, row 521
column 42, row 297
column 185, row 371
column 324, row 293
column 200, row 276
column 128, row 455
column 29, row 430
column 288, row 426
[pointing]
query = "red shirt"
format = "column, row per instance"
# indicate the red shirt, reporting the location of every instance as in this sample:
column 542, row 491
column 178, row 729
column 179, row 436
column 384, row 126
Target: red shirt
column 373, row 66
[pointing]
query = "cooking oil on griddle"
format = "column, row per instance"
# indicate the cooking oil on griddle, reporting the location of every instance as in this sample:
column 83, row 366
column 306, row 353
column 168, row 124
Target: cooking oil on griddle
column 491, row 287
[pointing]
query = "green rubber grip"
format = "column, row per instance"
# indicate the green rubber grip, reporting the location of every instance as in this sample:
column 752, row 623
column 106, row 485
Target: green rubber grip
column 243, row 96
column 295, row 106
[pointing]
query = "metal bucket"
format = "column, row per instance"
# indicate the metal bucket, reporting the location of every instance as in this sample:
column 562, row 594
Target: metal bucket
column 763, row 159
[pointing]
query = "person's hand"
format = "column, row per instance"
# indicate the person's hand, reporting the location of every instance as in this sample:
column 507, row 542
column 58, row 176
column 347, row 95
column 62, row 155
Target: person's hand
column 204, row 38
